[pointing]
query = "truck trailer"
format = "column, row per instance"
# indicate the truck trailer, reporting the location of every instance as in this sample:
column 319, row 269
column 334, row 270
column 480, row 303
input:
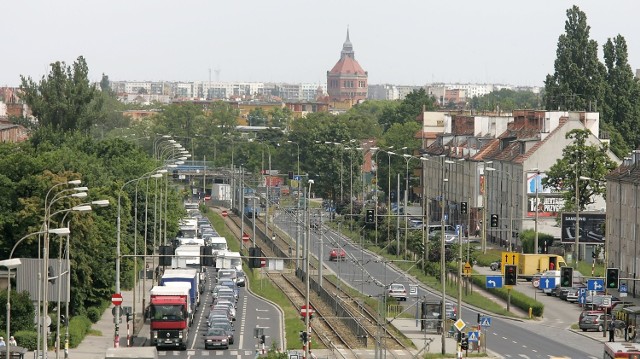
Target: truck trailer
column 186, row 275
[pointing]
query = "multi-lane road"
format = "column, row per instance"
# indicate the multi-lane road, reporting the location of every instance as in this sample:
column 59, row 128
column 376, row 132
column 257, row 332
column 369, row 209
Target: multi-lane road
column 252, row 312
column 509, row 338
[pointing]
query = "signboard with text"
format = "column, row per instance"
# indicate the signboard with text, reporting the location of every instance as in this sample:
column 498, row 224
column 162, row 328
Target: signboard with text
column 591, row 227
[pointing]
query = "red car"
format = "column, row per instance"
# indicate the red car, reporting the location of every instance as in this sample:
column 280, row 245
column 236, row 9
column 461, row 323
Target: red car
column 337, row 254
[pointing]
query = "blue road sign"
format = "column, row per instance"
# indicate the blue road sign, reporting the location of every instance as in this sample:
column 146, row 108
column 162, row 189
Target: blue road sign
column 297, row 178
column 595, row 284
column 623, row 288
column 547, row 283
column 485, row 322
column 494, row 281
column 582, row 296
column 473, row 336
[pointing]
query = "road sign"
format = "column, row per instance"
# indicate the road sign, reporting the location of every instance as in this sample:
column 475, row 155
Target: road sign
column 467, row 269
column 606, row 301
column 582, row 296
column 413, row 290
column 485, row 322
column 510, row 258
column 116, row 299
column 494, row 281
column 245, row 237
column 473, row 336
column 547, row 283
column 304, row 310
column 459, row 324
column 297, row 178
column 536, row 282
column 595, row 284
column 123, row 310
column 623, row 288
column 263, row 262
column 224, row 213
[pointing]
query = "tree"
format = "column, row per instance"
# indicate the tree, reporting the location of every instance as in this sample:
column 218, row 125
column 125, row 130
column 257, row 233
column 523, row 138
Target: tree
column 506, row 100
column 622, row 96
column 578, row 80
column 580, row 160
column 281, row 117
column 413, row 105
column 258, row 117
column 65, row 100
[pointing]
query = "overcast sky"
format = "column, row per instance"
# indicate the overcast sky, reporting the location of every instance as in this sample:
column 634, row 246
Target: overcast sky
column 396, row 41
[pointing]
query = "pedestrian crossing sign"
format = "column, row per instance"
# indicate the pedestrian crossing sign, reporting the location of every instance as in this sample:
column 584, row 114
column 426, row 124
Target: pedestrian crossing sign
column 485, row 322
column 473, row 336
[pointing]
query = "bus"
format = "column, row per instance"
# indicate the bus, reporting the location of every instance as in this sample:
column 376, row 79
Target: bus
column 621, row 350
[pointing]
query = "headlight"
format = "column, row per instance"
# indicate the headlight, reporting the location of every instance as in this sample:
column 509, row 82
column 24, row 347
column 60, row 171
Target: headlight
column 155, row 334
column 224, row 340
column 208, row 340
column 180, row 335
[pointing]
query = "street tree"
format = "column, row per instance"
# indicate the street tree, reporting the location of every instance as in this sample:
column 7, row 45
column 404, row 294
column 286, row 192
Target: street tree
column 580, row 159
column 578, row 80
column 65, row 100
column 409, row 109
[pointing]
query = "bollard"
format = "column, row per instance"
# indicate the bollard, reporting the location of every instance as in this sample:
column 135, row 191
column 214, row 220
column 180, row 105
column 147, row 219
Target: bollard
column 530, row 312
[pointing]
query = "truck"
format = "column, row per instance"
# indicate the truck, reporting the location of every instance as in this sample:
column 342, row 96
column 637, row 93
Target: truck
column 531, row 264
column 186, row 255
column 169, row 313
column 187, row 275
column 221, row 192
column 229, row 260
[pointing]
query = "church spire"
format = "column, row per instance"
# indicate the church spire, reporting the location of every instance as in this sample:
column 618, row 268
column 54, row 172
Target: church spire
column 347, row 47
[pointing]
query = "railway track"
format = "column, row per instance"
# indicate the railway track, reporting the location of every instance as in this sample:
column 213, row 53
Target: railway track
column 327, row 327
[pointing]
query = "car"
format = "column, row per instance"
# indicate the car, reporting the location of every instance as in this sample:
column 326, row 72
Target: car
column 588, row 312
column 573, row 294
column 241, row 279
column 337, row 254
column 495, row 265
column 594, row 322
column 228, row 328
column 229, row 274
column 216, row 338
column 397, row 291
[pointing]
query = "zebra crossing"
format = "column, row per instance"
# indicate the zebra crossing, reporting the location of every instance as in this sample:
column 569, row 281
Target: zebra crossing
column 208, row 353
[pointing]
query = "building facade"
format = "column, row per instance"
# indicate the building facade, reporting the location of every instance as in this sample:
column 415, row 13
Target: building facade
column 347, row 81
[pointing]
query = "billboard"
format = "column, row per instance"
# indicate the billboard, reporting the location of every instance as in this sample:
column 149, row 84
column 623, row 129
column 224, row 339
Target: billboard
column 592, row 228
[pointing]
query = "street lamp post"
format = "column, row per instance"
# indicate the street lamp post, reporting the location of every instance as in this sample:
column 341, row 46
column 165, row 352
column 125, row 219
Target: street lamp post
column 389, row 153
column 299, row 181
column 9, row 264
column 306, row 272
column 511, row 200
column 407, row 158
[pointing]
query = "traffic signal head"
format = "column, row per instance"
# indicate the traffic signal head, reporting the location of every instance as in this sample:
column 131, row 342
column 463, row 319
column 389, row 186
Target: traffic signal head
column 566, row 277
column 494, row 220
column 262, row 339
column 303, row 337
column 51, row 276
column 128, row 317
column 510, row 274
column 370, row 217
column 290, row 175
column 464, row 344
column 464, row 208
column 612, row 278
column 255, row 257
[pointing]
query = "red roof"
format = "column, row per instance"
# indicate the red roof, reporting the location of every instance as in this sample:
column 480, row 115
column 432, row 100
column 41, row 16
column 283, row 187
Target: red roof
column 347, row 65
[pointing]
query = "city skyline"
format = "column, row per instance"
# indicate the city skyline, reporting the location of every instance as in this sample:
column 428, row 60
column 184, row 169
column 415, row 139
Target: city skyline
column 405, row 43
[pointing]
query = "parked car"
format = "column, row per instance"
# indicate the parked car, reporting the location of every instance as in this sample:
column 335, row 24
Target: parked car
column 397, row 291
column 216, row 338
column 594, row 322
column 495, row 265
column 573, row 294
column 451, row 311
column 337, row 254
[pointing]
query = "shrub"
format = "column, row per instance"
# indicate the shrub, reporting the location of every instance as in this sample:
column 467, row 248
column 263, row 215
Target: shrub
column 27, row 339
column 78, row 328
column 94, row 314
column 518, row 299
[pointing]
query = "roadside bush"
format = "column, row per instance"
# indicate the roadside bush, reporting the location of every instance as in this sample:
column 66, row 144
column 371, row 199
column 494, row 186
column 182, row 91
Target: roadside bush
column 518, row 299
column 78, row 328
column 27, row 339
column 94, row 314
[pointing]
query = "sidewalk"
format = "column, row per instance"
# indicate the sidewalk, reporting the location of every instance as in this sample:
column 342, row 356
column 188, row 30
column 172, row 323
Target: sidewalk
column 101, row 337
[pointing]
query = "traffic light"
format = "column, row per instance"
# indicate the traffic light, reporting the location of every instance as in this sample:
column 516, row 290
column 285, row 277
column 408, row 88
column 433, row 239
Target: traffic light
column 63, row 319
column 464, row 344
column 494, row 220
column 303, row 337
column 262, row 339
column 464, row 208
column 166, row 254
column 566, row 277
column 370, row 217
column 510, row 274
column 612, row 278
column 255, row 254
column 128, row 317
column 290, row 175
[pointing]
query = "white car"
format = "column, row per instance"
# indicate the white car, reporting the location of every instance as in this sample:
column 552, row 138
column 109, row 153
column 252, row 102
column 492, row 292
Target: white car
column 397, row 291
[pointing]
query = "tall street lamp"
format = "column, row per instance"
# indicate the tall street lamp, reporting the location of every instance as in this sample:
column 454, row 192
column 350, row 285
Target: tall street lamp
column 407, row 158
column 306, row 272
column 9, row 264
column 511, row 200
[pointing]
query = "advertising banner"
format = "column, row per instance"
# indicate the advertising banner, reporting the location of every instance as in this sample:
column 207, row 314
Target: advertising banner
column 591, row 228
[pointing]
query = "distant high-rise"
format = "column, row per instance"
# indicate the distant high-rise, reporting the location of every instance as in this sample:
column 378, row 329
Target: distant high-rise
column 347, row 80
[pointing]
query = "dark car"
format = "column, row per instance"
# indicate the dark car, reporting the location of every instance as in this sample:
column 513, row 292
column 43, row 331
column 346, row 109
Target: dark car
column 228, row 328
column 337, row 254
column 216, row 338
column 495, row 265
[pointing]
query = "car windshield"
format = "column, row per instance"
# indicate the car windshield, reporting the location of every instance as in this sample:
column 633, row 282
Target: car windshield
column 215, row 332
column 397, row 287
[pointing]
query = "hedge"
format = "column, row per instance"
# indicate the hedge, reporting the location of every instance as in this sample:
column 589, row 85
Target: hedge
column 518, row 299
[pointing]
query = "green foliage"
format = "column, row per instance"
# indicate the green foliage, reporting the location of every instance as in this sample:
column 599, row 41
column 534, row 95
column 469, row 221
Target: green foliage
column 26, row 339
column 580, row 159
column 22, row 310
column 409, row 109
column 94, row 314
column 258, row 117
column 79, row 327
column 65, row 100
column 506, row 100
column 518, row 299
column 527, row 238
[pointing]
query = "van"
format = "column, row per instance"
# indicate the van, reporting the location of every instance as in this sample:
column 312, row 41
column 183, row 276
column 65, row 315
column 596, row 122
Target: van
column 437, row 227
